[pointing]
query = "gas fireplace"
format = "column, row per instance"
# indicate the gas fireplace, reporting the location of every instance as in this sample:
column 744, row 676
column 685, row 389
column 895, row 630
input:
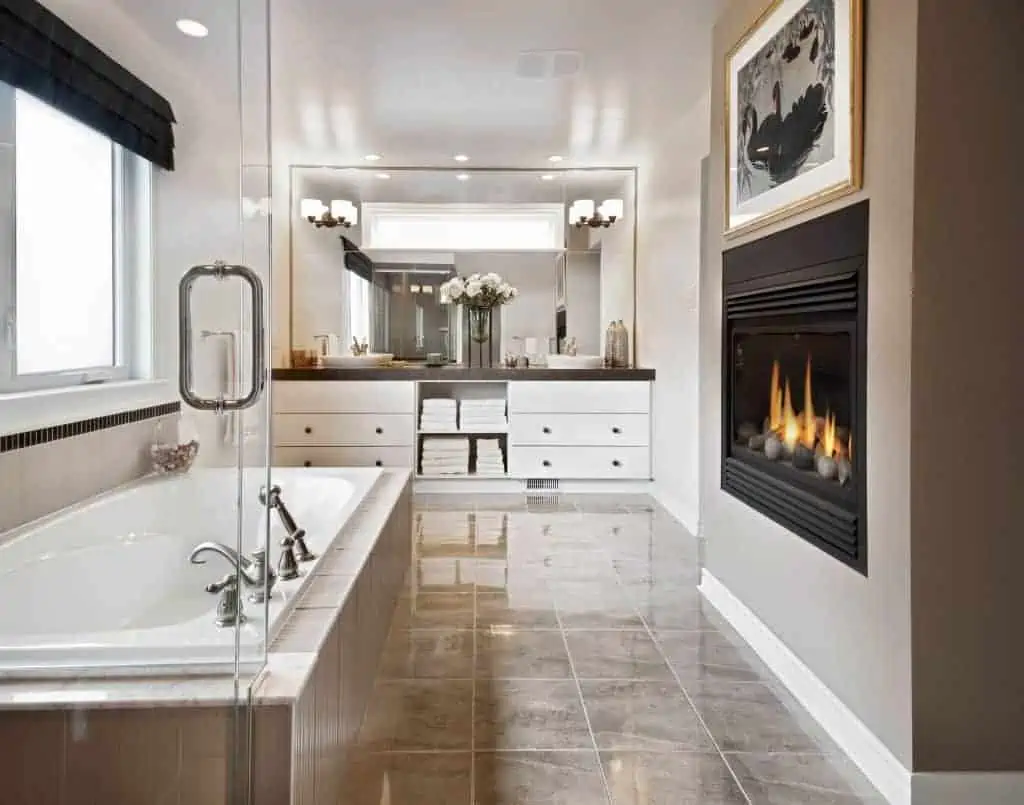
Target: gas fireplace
column 794, row 380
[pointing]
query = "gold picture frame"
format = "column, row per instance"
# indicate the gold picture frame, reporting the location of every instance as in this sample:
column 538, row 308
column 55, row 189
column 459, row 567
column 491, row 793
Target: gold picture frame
column 839, row 175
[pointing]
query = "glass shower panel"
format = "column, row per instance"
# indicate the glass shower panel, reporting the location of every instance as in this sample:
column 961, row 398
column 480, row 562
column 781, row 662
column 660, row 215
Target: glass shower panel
column 143, row 616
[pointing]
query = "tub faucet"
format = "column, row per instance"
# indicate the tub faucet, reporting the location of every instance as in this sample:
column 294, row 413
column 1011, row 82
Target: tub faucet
column 294, row 534
column 256, row 573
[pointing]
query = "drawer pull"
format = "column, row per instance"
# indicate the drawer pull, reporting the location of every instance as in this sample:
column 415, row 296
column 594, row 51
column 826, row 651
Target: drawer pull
column 378, row 463
column 380, row 431
column 308, row 429
column 616, row 431
column 546, row 463
column 547, row 430
column 616, row 463
column 307, row 463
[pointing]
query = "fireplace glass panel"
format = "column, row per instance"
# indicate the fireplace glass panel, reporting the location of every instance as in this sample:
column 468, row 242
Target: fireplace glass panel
column 794, row 389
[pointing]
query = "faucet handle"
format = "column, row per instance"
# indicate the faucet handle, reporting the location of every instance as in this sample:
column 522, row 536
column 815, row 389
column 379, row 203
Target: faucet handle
column 229, row 582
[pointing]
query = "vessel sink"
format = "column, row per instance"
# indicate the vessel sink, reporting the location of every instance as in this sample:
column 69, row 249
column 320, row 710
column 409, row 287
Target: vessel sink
column 357, row 361
column 575, row 362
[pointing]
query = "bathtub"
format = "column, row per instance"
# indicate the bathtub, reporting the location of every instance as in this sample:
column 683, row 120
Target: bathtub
column 106, row 587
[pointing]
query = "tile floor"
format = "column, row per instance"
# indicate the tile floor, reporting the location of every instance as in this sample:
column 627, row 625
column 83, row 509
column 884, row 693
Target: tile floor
column 557, row 651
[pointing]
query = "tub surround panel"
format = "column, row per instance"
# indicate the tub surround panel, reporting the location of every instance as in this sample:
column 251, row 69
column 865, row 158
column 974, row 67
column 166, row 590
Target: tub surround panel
column 47, row 470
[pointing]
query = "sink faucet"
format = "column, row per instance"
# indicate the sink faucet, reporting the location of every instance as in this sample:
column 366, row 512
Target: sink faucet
column 254, row 572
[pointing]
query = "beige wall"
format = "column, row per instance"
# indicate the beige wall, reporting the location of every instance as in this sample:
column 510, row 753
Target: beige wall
column 853, row 632
column 967, row 458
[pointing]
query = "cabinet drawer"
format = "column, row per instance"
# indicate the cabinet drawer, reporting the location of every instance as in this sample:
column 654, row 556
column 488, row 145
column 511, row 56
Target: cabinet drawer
column 580, row 462
column 627, row 430
column 583, row 397
column 343, row 457
column 343, row 429
column 345, row 397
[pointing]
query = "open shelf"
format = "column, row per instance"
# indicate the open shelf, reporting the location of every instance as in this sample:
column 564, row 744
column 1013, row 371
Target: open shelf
column 463, row 475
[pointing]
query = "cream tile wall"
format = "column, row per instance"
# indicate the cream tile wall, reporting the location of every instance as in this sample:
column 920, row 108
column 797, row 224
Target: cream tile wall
column 38, row 480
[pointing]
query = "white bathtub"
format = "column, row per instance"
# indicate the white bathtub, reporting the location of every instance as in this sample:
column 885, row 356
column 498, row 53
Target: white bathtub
column 107, row 584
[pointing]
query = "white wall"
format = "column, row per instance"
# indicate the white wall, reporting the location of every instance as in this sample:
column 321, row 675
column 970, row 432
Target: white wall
column 668, row 277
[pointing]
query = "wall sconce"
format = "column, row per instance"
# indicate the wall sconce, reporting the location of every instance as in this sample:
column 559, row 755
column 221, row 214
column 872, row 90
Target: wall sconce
column 341, row 213
column 583, row 213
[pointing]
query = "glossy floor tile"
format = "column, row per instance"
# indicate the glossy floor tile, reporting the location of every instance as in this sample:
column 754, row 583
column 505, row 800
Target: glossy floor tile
column 558, row 651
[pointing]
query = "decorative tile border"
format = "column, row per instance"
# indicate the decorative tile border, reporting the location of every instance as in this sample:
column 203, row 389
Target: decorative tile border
column 31, row 438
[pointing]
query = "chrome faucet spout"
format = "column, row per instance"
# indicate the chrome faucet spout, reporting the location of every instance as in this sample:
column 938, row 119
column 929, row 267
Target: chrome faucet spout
column 246, row 567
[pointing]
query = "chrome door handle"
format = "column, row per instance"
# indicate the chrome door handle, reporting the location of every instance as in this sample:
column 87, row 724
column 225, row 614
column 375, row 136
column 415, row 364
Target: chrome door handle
column 186, row 368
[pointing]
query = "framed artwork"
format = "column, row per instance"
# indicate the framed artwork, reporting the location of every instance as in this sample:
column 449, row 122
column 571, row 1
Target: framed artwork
column 794, row 127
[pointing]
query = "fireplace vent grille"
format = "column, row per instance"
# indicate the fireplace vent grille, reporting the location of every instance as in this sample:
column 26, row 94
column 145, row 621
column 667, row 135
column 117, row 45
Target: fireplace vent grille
column 836, row 293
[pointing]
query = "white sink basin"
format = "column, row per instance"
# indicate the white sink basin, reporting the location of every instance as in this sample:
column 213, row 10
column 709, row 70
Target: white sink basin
column 575, row 362
column 357, row 361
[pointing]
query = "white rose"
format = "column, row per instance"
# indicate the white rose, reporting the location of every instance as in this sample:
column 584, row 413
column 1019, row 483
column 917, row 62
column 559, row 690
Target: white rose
column 474, row 278
column 473, row 288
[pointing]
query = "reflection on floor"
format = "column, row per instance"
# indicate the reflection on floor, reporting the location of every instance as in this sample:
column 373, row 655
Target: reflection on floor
column 557, row 651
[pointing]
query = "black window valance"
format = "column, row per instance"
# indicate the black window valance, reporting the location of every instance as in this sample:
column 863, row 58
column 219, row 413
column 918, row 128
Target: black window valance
column 42, row 55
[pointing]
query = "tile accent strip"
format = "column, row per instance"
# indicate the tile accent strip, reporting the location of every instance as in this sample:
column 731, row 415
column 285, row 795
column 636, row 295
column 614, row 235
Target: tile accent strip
column 31, row 438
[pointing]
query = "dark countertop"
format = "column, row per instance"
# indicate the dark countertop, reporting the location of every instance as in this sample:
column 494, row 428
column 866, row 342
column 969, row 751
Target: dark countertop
column 461, row 373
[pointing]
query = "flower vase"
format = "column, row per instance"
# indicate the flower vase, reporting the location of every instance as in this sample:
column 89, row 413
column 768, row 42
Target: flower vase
column 480, row 334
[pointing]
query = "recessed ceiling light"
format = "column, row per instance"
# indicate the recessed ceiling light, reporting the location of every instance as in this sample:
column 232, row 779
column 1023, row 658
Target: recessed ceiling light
column 383, row 175
column 372, row 157
column 462, row 177
column 461, row 158
column 555, row 158
column 548, row 177
column 192, row 28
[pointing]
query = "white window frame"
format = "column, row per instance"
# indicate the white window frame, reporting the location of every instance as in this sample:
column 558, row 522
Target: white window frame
column 375, row 214
column 132, row 268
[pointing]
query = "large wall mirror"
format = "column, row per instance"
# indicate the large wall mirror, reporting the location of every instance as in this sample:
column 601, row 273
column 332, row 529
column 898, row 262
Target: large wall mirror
column 369, row 265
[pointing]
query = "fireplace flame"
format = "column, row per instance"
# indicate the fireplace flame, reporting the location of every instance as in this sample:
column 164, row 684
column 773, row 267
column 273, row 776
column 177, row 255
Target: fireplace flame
column 810, row 424
column 803, row 428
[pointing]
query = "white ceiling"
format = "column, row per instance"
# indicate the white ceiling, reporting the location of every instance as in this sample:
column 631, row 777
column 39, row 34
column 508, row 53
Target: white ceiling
column 421, row 80
column 442, row 186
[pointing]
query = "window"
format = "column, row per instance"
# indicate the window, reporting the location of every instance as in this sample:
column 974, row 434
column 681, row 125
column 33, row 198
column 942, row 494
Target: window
column 69, row 287
column 468, row 227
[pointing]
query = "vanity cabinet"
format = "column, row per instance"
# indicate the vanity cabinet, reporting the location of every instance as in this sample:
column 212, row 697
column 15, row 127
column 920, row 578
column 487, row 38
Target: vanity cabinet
column 573, row 430
column 580, row 430
column 349, row 424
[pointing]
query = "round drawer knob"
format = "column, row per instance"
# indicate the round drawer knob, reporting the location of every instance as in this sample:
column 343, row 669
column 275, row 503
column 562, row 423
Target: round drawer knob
column 379, row 431
column 307, row 463
column 616, row 463
column 378, row 463
column 547, row 430
column 616, row 431
column 308, row 429
column 546, row 463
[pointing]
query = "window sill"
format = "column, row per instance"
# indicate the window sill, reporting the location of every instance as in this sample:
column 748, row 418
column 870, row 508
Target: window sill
column 28, row 410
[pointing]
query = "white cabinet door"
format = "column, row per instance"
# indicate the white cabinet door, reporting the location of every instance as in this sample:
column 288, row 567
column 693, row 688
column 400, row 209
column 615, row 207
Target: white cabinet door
column 343, row 457
column 627, row 430
column 345, row 397
column 344, row 429
column 580, row 463
column 579, row 397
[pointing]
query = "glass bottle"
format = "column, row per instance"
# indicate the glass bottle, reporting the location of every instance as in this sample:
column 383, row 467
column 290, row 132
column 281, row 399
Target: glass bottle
column 609, row 345
column 620, row 349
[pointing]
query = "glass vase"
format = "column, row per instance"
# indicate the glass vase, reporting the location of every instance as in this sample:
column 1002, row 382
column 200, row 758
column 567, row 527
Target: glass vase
column 480, row 324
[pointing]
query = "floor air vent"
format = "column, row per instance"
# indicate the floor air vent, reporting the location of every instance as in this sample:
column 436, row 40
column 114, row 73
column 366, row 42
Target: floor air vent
column 541, row 483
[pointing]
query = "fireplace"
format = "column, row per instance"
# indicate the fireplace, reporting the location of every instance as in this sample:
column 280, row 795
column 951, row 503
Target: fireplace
column 794, row 366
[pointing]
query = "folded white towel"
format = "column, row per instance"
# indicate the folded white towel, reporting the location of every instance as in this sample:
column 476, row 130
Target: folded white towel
column 490, row 402
column 439, row 450
column 439, row 402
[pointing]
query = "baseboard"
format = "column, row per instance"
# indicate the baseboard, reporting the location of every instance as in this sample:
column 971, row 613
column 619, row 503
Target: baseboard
column 515, row 486
column 684, row 514
column 879, row 765
column 968, row 788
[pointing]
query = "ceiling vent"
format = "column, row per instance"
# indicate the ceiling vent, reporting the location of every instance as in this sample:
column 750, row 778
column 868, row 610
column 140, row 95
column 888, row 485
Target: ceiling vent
column 543, row 65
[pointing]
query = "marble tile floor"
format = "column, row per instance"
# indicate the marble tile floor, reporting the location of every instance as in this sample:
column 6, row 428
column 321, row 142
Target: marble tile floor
column 556, row 650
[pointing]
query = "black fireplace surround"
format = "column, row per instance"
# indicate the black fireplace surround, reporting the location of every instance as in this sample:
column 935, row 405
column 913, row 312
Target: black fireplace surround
column 794, row 380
